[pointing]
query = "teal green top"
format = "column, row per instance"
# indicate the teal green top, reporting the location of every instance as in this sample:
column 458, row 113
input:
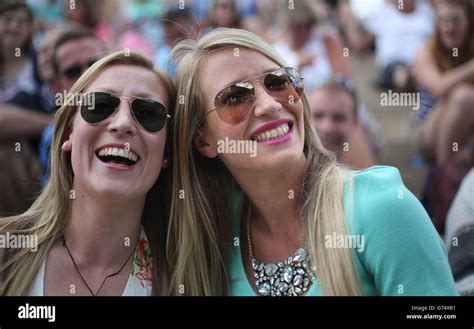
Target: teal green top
column 403, row 255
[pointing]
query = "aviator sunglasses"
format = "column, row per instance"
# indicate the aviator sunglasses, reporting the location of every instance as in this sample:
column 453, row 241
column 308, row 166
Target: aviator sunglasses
column 151, row 115
column 234, row 102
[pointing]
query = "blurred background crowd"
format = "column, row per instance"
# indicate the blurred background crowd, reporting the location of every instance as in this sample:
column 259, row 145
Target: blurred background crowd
column 388, row 82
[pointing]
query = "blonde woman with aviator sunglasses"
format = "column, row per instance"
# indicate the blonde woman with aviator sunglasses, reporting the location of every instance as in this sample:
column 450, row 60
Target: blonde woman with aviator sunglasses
column 272, row 224
column 101, row 221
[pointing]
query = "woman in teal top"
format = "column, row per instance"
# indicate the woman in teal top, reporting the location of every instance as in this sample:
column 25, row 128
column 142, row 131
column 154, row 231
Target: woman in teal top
column 401, row 254
column 263, row 208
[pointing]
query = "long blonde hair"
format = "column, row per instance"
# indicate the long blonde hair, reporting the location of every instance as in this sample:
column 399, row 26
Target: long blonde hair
column 201, row 219
column 49, row 215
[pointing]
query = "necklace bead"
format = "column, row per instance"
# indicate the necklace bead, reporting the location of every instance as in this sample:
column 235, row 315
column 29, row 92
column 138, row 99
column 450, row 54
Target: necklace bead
column 290, row 277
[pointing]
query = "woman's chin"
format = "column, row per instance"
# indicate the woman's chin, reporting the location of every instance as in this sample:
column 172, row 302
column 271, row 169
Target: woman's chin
column 115, row 192
column 451, row 44
column 278, row 162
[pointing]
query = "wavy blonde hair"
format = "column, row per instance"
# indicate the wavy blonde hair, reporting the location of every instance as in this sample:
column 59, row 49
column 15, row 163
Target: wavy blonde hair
column 201, row 219
column 49, row 215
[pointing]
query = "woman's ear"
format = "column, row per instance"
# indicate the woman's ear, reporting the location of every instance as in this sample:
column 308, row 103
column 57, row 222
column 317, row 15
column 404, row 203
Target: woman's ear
column 67, row 145
column 203, row 146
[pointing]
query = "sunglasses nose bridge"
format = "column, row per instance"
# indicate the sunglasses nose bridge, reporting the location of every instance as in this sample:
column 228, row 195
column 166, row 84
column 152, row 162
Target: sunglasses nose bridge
column 123, row 119
column 125, row 99
column 264, row 88
column 264, row 102
column 259, row 85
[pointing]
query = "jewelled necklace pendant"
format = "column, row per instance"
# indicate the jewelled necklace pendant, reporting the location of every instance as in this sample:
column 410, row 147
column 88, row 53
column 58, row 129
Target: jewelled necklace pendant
column 291, row 277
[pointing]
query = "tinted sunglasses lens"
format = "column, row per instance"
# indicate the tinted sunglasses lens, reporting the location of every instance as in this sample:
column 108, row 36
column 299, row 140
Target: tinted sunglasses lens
column 296, row 80
column 234, row 102
column 149, row 114
column 97, row 107
column 284, row 84
column 73, row 72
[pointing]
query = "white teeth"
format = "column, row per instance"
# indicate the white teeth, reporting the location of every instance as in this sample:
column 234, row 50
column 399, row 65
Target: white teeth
column 118, row 152
column 273, row 133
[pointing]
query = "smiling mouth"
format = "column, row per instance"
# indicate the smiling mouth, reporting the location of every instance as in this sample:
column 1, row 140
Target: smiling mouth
column 275, row 133
column 118, row 156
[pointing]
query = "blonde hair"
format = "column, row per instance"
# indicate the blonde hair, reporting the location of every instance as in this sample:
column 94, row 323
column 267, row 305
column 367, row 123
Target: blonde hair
column 49, row 215
column 200, row 221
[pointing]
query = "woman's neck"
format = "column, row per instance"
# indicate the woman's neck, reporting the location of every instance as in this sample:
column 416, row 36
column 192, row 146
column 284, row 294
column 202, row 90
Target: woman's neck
column 275, row 199
column 102, row 232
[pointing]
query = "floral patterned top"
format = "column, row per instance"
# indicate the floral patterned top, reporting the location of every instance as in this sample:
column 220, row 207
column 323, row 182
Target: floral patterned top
column 142, row 263
column 139, row 282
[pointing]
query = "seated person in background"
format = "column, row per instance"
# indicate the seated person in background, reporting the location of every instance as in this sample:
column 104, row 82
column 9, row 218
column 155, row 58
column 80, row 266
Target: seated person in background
column 91, row 15
column 45, row 67
column 444, row 71
column 223, row 13
column 310, row 46
column 17, row 52
column 21, row 117
column 460, row 236
column 335, row 115
column 19, row 79
column 398, row 28
column 74, row 51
